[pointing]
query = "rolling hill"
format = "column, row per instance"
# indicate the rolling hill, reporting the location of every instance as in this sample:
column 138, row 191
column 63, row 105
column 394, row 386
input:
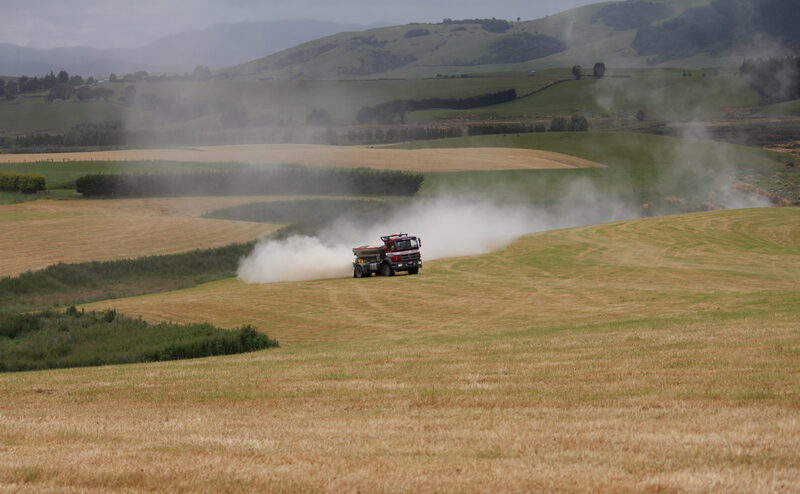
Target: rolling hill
column 216, row 46
column 634, row 33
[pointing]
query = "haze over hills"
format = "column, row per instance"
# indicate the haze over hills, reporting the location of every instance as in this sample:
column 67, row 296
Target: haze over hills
column 217, row 46
column 633, row 33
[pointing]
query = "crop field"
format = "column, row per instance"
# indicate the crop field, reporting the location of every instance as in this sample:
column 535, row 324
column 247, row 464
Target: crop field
column 36, row 234
column 652, row 355
column 425, row 160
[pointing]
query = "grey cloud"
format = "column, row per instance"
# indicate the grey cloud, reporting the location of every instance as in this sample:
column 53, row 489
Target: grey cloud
column 116, row 24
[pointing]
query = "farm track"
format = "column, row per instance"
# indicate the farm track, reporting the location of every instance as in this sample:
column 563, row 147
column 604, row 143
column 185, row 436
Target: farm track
column 34, row 235
column 419, row 160
column 658, row 355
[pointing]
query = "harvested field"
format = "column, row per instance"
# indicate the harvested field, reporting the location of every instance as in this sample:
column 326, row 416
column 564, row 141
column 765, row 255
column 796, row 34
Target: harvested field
column 422, row 160
column 34, row 235
column 510, row 289
column 657, row 355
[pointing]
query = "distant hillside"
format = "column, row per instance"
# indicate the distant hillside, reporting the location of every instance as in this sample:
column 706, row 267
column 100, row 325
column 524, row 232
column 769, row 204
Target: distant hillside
column 633, row 33
column 725, row 27
column 217, row 46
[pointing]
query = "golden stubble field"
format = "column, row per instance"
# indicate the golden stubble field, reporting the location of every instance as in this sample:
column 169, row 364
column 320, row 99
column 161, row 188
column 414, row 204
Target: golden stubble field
column 36, row 234
column 659, row 355
column 420, row 160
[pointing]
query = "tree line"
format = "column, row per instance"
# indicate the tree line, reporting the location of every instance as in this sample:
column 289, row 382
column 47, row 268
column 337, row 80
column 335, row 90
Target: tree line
column 286, row 179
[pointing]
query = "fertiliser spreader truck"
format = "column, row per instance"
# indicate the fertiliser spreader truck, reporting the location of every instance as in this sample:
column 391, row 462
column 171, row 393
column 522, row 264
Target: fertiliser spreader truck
column 399, row 252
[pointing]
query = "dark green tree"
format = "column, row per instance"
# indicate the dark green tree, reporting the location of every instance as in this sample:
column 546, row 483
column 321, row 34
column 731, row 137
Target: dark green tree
column 599, row 70
column 62, row 77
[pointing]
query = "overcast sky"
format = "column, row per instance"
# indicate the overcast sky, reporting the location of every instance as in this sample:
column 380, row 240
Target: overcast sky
column 132, row 23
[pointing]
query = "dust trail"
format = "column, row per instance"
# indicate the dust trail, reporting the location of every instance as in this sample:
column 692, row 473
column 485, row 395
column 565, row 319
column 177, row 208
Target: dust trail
column 448, row 226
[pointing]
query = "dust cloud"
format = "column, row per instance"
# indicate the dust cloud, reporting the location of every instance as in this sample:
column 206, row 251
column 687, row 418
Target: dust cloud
column 449, row 226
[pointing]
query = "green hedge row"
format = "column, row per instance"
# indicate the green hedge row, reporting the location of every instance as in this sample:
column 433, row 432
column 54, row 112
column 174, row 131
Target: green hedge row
column 49, row 340
column 287, row 179
column 22, row 182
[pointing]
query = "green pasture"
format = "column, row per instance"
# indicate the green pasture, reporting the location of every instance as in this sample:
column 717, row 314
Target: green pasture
column 32, row 114
column 619, row 148
column 658, row 93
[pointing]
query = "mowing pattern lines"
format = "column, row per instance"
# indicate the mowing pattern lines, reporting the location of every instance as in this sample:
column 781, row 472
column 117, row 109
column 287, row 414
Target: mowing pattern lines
column 567, row 362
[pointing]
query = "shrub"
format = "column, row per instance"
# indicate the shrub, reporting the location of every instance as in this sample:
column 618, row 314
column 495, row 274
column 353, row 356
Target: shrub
column 22, row 182
column 30, row 183
column 8, row 181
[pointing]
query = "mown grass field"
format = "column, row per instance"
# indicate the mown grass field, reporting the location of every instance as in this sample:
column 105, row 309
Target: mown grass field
column 36, row 234
column 654, row 355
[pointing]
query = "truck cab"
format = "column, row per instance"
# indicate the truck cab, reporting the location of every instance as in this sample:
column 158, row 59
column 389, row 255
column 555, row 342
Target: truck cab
column 399, row 252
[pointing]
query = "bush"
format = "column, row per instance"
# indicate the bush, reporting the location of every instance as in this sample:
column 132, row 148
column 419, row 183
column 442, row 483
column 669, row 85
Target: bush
column 578, row 123
column 8, row 181
column 22, row 182
column 30, row 183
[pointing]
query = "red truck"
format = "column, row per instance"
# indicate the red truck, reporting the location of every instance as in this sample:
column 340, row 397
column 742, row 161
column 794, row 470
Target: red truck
column 399, row 252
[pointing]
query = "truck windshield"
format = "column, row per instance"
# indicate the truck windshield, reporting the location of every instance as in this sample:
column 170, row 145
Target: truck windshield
column 407, row 244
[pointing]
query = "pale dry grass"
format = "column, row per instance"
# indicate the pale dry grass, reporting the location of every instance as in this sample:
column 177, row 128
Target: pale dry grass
column 615, row 358
column 36, row 234
column 421, row 160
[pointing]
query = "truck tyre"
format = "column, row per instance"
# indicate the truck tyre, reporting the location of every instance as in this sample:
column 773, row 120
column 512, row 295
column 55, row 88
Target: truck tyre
column 358, row 272
column 386, row 269
column 413, row 271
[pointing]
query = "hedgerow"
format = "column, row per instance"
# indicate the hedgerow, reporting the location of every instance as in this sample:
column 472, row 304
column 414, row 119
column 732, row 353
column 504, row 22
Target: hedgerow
column 63, row 284
column 286, row 179
column 394, row 111
column 22, row 182
column 73, row 338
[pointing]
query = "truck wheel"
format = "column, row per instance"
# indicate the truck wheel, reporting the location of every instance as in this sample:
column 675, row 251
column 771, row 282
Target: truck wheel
column 358, row 272
column 386, row 269
column 413, row 271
